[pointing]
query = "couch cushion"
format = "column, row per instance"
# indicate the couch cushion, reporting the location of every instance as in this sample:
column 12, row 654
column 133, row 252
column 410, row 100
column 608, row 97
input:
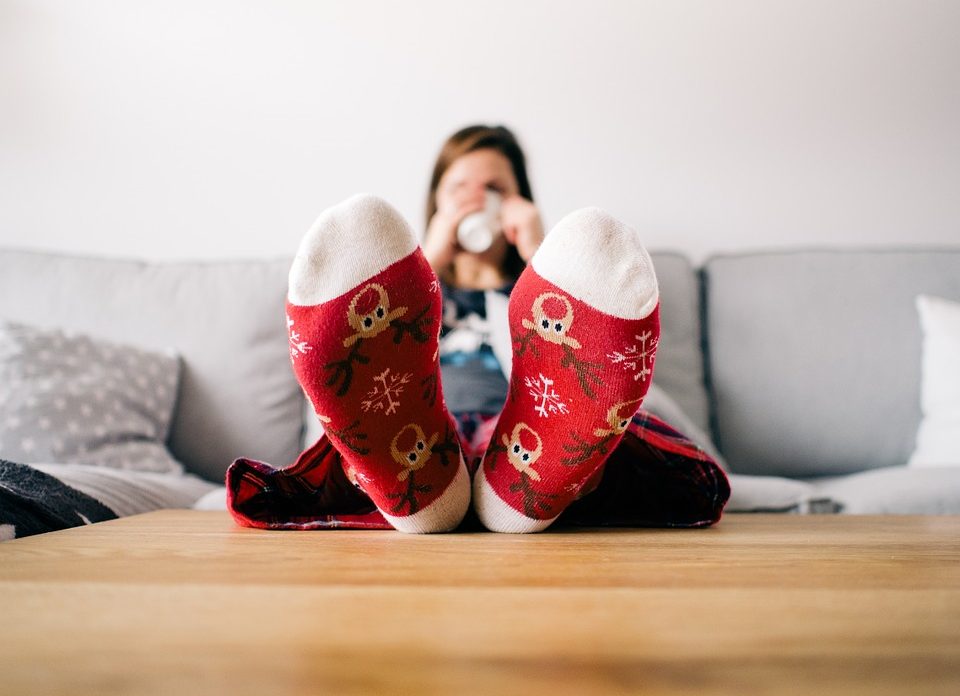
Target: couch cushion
column 237, row 395
column 679, row 366
column 895, row 491
column 814, row 357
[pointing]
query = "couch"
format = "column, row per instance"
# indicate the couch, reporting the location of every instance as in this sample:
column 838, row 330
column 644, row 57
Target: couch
column 801, row 368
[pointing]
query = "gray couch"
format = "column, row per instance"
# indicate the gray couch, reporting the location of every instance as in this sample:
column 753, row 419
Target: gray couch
column 803, row 366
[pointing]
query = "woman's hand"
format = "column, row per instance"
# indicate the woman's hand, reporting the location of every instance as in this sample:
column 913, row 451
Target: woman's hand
column 440, row 242
column 521, row 225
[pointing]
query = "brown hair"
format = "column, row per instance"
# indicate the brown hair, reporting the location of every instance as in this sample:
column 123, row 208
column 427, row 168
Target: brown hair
column 480, row 137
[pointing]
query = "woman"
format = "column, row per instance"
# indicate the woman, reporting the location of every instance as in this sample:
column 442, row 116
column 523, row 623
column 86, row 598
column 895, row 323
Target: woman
column 474, row 343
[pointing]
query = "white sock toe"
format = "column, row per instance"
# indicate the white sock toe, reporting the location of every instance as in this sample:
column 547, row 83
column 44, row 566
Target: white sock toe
column 599, row 260
column 347, row 244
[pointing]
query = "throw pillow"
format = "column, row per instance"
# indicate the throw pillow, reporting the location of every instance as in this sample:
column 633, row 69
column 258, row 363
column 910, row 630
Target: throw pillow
column 70, row 398
column 939, row 433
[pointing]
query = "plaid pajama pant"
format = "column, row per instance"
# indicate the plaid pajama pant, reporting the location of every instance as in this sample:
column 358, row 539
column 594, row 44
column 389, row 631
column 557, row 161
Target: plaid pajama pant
column 654, row 478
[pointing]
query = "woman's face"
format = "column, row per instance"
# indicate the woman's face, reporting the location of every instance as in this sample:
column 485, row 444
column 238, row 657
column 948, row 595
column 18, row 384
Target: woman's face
column 470, row 175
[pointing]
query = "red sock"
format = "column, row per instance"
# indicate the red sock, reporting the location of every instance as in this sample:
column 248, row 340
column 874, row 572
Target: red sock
column 363, row 313
column 584, row 319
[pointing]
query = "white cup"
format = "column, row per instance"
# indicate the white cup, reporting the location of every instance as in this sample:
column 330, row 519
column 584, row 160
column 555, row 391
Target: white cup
column 477, row 231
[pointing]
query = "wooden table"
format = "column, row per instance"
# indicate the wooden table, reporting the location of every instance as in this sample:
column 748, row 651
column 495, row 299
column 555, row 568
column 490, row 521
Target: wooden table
column 182, row 602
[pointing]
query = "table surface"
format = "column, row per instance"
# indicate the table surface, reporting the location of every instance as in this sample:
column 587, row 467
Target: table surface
column 184, row 602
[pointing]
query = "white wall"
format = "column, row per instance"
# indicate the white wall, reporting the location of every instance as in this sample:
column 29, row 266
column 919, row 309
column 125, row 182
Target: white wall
column 213, row 128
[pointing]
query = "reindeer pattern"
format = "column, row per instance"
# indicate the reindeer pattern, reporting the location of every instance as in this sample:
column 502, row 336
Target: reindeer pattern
column 583, row 421
column 369, row 363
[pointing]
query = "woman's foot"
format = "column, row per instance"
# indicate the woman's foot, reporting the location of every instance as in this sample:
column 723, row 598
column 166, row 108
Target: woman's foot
column 363, row 315
column 584, row 320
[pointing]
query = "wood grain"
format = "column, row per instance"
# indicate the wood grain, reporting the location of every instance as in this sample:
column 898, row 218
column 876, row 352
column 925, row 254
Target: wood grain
column 186, row 602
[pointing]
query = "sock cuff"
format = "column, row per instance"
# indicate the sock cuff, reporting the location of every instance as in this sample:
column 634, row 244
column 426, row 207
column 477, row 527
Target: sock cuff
column 347, row 244
column 600, row 261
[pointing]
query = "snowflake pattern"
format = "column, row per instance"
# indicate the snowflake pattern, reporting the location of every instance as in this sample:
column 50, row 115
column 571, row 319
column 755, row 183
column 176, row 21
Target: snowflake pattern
column 298, row 346
column 547, row 399
column 638, row 357
column 385, row 396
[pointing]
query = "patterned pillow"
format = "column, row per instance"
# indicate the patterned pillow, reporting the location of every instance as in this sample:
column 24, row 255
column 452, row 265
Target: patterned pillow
column 70, row 398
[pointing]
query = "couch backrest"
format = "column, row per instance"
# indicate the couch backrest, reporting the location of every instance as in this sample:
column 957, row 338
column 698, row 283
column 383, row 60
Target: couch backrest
column 814, row 357
column 237, row 395
column 679, row 366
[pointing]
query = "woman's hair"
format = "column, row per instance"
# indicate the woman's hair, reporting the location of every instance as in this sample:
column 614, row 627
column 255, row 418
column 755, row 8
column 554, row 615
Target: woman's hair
column 474, row 138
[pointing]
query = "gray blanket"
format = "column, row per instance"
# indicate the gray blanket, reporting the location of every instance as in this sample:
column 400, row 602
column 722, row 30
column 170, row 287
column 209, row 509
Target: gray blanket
column 32, row 502
column 39, row 498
